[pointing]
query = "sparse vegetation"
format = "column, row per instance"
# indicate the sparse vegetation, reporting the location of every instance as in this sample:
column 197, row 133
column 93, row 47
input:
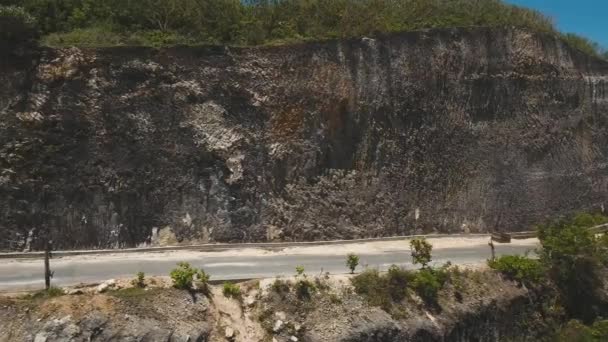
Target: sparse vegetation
column 305, row 289
column 280, row 286
column 299, row 270
column 352, row 261
column 231, row 290
column 52, row 292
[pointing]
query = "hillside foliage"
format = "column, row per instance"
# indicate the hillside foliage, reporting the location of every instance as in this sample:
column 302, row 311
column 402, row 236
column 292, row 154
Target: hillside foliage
column 255, row 22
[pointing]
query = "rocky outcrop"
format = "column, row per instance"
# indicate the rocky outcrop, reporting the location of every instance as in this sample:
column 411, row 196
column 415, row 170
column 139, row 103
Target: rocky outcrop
column 452, row 130
column 141, row 315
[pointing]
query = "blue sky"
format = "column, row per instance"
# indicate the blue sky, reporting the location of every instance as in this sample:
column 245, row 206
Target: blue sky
column 588, row 18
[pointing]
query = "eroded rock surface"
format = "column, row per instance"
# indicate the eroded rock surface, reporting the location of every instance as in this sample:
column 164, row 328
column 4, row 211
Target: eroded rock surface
column 444, row 130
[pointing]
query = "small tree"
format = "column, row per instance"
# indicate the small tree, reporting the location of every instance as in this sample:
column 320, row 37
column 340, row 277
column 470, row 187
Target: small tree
column 352, row 261
column 140, row 280
column 421, row 252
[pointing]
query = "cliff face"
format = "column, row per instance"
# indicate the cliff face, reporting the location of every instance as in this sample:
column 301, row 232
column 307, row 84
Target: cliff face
column 446, row 130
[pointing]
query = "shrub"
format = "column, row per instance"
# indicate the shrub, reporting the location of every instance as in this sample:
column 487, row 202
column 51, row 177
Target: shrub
column 427, row 283
column 373, row 287
column 352, row 261
column 231, row 290
column 519, row 268
column 300, row 270
column 305, row 289
column 397, row 281
column 421, row 252
column 183, row 277
column 382, row 290
column 575, row 259
column 202, row 281
column 280, row 286
column 139, row 280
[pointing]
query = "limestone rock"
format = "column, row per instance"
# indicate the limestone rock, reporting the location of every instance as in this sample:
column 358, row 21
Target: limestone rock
column 106, row 285
column 278, row 325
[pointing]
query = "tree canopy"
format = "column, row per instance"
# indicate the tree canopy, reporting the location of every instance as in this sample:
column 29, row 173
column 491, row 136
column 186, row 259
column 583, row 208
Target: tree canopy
column 254, row 22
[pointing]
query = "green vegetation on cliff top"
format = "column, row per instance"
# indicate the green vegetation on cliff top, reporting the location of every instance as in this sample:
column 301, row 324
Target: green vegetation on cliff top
column 255, row 22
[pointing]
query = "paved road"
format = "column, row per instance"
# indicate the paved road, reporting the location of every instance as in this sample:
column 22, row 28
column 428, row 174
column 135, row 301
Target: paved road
column 26, row 274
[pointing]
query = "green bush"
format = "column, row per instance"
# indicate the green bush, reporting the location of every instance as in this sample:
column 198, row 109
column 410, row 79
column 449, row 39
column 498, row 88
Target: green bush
column 519, row 268
column 427, row 282
column 231, row 290
column 576, row 259
column 352, row 261
column 300, row 271
column 183, row 277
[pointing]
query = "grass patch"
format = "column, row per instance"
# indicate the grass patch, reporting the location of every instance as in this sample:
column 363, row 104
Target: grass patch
column 231, row 290
column 52, row 292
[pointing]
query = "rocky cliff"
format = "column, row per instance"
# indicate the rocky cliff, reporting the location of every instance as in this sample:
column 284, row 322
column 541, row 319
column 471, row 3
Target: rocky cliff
column 445, row 130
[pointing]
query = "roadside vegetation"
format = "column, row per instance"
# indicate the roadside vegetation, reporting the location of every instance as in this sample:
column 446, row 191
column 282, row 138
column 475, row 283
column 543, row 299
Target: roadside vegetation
column 257, row 22
column 571, row 271
column 566, row 279
column 52, row 292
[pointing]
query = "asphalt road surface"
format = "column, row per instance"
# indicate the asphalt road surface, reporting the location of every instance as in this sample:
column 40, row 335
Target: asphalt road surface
column 27, row 274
